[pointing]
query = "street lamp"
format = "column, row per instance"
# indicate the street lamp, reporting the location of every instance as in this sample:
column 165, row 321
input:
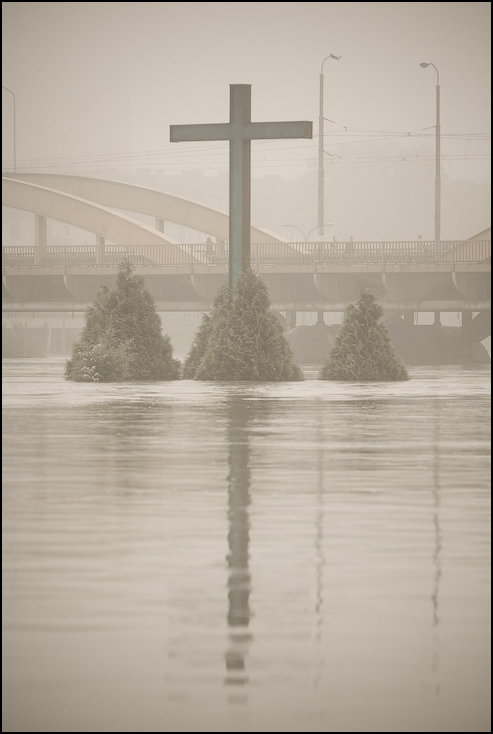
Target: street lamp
column 305, row 237
column 424, row 64
column 321, row 150
column 13, row 95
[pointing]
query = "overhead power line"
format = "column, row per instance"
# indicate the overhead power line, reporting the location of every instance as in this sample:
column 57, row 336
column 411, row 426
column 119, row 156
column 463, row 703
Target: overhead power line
column 216, row 156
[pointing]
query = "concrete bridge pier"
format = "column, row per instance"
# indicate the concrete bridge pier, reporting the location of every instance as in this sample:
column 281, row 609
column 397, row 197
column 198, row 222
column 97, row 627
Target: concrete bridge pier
column 50, row 340
column 481, row 326
column 290, row 319
column 466, row 333
column 100, row 245
column 409, row 318
column 39, row 238
column 64, row 336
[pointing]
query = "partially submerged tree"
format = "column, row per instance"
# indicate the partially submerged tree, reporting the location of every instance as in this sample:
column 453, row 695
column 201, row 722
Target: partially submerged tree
column 122, row 338
column 242, row 339
column 197, row 351
column 363, row 349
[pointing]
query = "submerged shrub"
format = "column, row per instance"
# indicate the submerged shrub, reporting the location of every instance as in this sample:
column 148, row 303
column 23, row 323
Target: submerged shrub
column 242, row 339
column 363, row 349
column 122, row 338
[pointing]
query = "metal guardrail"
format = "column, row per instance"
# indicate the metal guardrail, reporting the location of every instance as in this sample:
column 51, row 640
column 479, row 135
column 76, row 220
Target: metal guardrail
column 286, row 254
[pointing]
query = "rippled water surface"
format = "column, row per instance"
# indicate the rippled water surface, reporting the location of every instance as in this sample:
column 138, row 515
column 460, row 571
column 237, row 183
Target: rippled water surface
column 192, row 556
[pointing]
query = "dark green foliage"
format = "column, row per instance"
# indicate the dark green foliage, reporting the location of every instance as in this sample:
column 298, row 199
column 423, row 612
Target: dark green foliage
column 103, row 361
column 242, row 339
column 21, row 341
column 362, row 349
column 192, row 362
column 122, row 337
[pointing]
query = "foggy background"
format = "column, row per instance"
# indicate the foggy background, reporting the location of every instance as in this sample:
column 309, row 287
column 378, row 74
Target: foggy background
column 97, row 86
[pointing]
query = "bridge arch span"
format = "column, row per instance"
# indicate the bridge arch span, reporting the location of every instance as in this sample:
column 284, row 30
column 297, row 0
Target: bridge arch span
column 142, row 200
column 88, row 215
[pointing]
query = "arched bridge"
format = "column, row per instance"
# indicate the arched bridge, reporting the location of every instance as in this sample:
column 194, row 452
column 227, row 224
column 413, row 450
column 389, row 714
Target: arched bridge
column 406, row 276
column 68, row 199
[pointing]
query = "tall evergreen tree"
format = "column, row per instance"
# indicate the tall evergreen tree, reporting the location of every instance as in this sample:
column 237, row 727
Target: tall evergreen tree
column 243, row 340
column 363, row 349
column 197, row 351
column 122, row 337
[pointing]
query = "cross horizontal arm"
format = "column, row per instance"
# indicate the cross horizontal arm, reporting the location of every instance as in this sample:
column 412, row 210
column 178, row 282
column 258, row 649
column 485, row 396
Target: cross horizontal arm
column 219, row 131
column 266, row 130
column 240, row 131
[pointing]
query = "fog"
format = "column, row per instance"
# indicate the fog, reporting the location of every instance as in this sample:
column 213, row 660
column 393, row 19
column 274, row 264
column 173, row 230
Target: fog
column 97, row 86
column 195, row 555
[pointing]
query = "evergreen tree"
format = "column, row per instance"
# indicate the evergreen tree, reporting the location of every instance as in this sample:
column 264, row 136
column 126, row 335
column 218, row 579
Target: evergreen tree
column 243, row 339
column 122, row 337
column 363, row 349
column 192, row 362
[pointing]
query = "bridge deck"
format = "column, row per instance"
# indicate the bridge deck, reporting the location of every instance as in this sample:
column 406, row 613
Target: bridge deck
column 405, row 276
column 300, row 257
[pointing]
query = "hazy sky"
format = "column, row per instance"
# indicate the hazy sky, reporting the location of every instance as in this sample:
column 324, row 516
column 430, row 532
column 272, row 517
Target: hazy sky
column 104, row 81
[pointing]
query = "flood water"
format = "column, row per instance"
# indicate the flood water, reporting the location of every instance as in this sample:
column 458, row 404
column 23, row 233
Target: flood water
column 192, row 556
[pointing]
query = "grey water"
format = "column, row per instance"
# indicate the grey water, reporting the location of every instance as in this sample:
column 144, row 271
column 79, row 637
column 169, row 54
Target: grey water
column 193, row 556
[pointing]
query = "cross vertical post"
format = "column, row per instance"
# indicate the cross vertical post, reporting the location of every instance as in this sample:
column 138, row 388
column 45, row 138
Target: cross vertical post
column 240, row 131
column 239, row 184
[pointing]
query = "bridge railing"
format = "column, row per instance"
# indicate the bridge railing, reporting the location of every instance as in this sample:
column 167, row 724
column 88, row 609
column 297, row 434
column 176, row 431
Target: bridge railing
column 101, row 256
column 369, row 253
column 294, row 254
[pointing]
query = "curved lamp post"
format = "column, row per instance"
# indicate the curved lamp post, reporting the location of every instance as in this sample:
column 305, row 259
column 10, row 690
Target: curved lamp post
column 305, row 237
column 13, row 95
column 424, row 64
column 336, row 57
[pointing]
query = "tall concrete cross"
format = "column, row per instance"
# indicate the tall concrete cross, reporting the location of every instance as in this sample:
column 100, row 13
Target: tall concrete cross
column 240, row 130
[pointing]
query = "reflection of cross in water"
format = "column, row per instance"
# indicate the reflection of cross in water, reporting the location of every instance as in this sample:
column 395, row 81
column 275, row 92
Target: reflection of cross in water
column 438, row 545
column 238, row 541
column 240, row 131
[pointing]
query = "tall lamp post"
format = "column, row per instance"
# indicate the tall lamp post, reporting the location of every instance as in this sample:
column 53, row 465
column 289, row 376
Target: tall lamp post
column 424, row 64
column 305, row 237
column 321, row 150
column 13, row 95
